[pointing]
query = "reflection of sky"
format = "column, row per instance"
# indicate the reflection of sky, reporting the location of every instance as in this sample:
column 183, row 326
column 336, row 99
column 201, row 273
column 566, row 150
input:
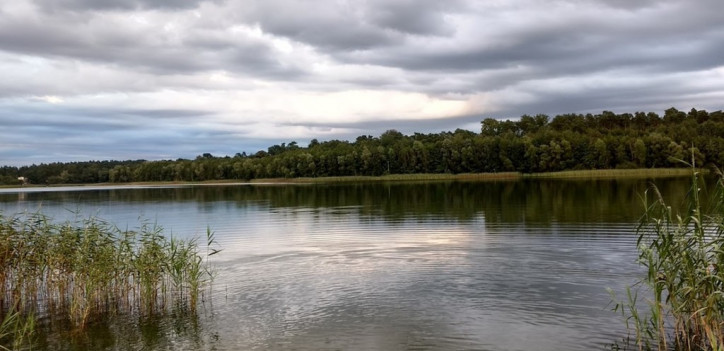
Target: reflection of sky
column 327, row 231
column 248, row 228
column 354, row 283
column 57, row 189
column 179, row 218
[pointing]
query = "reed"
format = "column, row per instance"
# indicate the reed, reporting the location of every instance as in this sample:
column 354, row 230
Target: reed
column 684, row 257
column 16, row 330
column 85, row 269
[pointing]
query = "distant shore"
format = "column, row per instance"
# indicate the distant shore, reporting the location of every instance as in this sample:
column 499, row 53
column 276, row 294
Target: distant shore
column 501, row 176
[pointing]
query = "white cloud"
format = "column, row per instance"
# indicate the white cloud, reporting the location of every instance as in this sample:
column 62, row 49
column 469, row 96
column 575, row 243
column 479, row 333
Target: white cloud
column 51, row 99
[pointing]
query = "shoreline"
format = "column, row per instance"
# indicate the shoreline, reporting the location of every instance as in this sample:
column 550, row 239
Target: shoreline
column 502, row 176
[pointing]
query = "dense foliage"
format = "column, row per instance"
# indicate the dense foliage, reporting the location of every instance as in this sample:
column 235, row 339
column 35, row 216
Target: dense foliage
column 530, row 144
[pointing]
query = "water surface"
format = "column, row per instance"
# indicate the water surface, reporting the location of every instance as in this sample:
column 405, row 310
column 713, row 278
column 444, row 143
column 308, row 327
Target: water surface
column 514, row 265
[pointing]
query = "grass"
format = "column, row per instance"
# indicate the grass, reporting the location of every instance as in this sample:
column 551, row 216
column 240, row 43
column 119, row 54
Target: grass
column 617, row 173
column 684, row 257
column 582, row 174
column 396, row 177
column 576, row 174
column 88, row 269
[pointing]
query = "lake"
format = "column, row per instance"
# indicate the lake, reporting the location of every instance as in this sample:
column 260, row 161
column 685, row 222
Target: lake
column 508, row 265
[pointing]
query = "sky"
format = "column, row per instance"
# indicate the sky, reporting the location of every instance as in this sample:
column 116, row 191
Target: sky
column 164, row 79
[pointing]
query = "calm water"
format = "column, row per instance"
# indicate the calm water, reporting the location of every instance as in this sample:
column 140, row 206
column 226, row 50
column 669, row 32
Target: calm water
column 520, row 265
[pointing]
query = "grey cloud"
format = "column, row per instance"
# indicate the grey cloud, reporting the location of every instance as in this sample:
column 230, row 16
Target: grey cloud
column 59, row 120
column 376, row 128
column 628, row 4
column 417, row 17
column 343, row 26
column 376, row 32
column 91, row 39
column 321, row 24
column 682, row 40
column 66, row 134
column 651, row 97
column 54, row 145
column 384, row 123
column 89, row 5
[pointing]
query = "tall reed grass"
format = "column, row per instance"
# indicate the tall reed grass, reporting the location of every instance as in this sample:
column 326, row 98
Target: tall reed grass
column 86, row 269
column 16, row 330
column 684, row 259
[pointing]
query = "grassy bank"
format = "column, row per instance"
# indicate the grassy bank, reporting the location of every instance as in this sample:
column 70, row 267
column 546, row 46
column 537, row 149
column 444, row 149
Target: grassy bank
column 617, row 173
column 311, row 180
column 396, row 178
column 579, row 174
column 85, row 270
column 582, row 174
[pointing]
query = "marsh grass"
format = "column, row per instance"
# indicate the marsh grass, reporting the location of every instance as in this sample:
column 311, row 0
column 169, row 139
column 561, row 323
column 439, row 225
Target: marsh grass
column 572, row 174
column 86, row 269
column 16, row 330
column 616, row 173
column 684, row 256
column 397, row 178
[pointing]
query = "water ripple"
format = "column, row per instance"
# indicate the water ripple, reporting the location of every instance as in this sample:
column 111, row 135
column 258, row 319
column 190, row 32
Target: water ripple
column 427, row 284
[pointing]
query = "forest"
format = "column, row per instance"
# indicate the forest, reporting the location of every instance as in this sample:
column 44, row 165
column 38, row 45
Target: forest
column 530, row 144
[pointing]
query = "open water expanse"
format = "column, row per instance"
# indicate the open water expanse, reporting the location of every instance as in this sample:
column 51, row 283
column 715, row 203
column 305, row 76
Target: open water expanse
column 513, row 265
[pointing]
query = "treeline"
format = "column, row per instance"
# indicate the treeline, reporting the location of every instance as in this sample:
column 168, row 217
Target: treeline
column 530, row 144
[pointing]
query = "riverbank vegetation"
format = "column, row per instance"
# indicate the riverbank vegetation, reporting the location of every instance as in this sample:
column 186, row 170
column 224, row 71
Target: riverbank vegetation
column 499, row 176
column 684, row 257
column 83, row 271
column 531, row 144
column 616, row 173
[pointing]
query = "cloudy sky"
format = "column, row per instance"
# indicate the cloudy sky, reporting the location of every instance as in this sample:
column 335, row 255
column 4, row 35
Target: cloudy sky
column 162, row 79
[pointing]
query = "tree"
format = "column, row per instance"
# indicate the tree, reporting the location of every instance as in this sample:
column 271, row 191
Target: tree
column 639, row 153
